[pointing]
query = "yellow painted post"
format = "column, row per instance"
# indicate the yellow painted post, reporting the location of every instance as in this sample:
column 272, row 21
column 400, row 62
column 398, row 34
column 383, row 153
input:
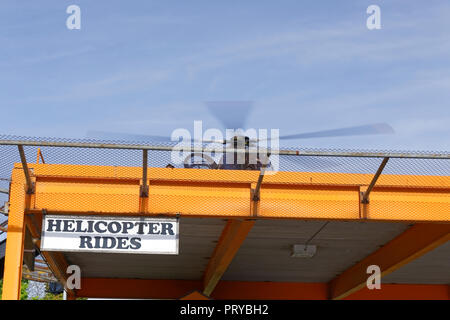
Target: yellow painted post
column 12, row 276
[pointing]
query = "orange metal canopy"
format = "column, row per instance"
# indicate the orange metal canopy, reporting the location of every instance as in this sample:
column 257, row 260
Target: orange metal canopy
column 195, row 193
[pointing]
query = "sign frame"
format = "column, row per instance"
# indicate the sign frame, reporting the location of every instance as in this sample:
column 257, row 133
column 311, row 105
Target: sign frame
column 44, row 245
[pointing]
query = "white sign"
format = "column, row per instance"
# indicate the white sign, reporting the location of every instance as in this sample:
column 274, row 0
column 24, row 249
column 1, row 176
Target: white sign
column 110, row 234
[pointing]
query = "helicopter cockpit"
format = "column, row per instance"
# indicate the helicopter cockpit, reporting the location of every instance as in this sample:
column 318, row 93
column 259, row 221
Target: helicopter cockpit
column 233, row 160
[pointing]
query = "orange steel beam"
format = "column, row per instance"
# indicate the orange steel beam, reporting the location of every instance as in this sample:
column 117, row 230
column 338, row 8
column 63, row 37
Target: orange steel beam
column 55, row 260
column 195, row 295
column 236, row 176
column 176, row 289
column 58, row 264
column 230, row 241
column 12, row 275
column 411, row 244
column 403, row 292
column 255, row 290
column 18, row 221
column 76, row 189
column 136, row 288
column 39, row 156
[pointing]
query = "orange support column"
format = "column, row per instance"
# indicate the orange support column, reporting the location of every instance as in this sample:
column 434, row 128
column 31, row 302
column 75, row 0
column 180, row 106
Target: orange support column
column 408, row 246
column 230, row 241
column 71, row 295
column 12, row 276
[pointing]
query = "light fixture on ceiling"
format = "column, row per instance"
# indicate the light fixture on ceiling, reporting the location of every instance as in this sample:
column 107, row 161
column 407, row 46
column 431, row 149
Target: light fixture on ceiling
column 303, row 251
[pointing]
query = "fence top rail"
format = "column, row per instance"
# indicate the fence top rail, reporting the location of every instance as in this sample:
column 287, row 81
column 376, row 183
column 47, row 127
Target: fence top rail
column 223, row 149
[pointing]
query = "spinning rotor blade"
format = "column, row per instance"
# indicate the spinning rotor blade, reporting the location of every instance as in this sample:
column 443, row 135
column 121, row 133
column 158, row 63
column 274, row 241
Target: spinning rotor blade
column 103, row 135
column 232, row 114
column 377, row 128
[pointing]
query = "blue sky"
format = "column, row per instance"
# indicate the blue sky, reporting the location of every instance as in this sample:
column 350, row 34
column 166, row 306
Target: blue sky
column 147, row 67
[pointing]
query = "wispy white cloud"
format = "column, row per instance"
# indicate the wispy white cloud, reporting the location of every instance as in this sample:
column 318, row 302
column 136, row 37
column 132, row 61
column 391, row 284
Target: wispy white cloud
column 113, row 84
column 411, row 53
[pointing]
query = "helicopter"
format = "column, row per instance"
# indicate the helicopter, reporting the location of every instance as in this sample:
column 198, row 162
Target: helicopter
column 247, row 160
column 233, row 114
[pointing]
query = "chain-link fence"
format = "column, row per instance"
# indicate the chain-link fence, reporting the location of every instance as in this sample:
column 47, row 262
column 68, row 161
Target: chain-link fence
column 90, row 158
